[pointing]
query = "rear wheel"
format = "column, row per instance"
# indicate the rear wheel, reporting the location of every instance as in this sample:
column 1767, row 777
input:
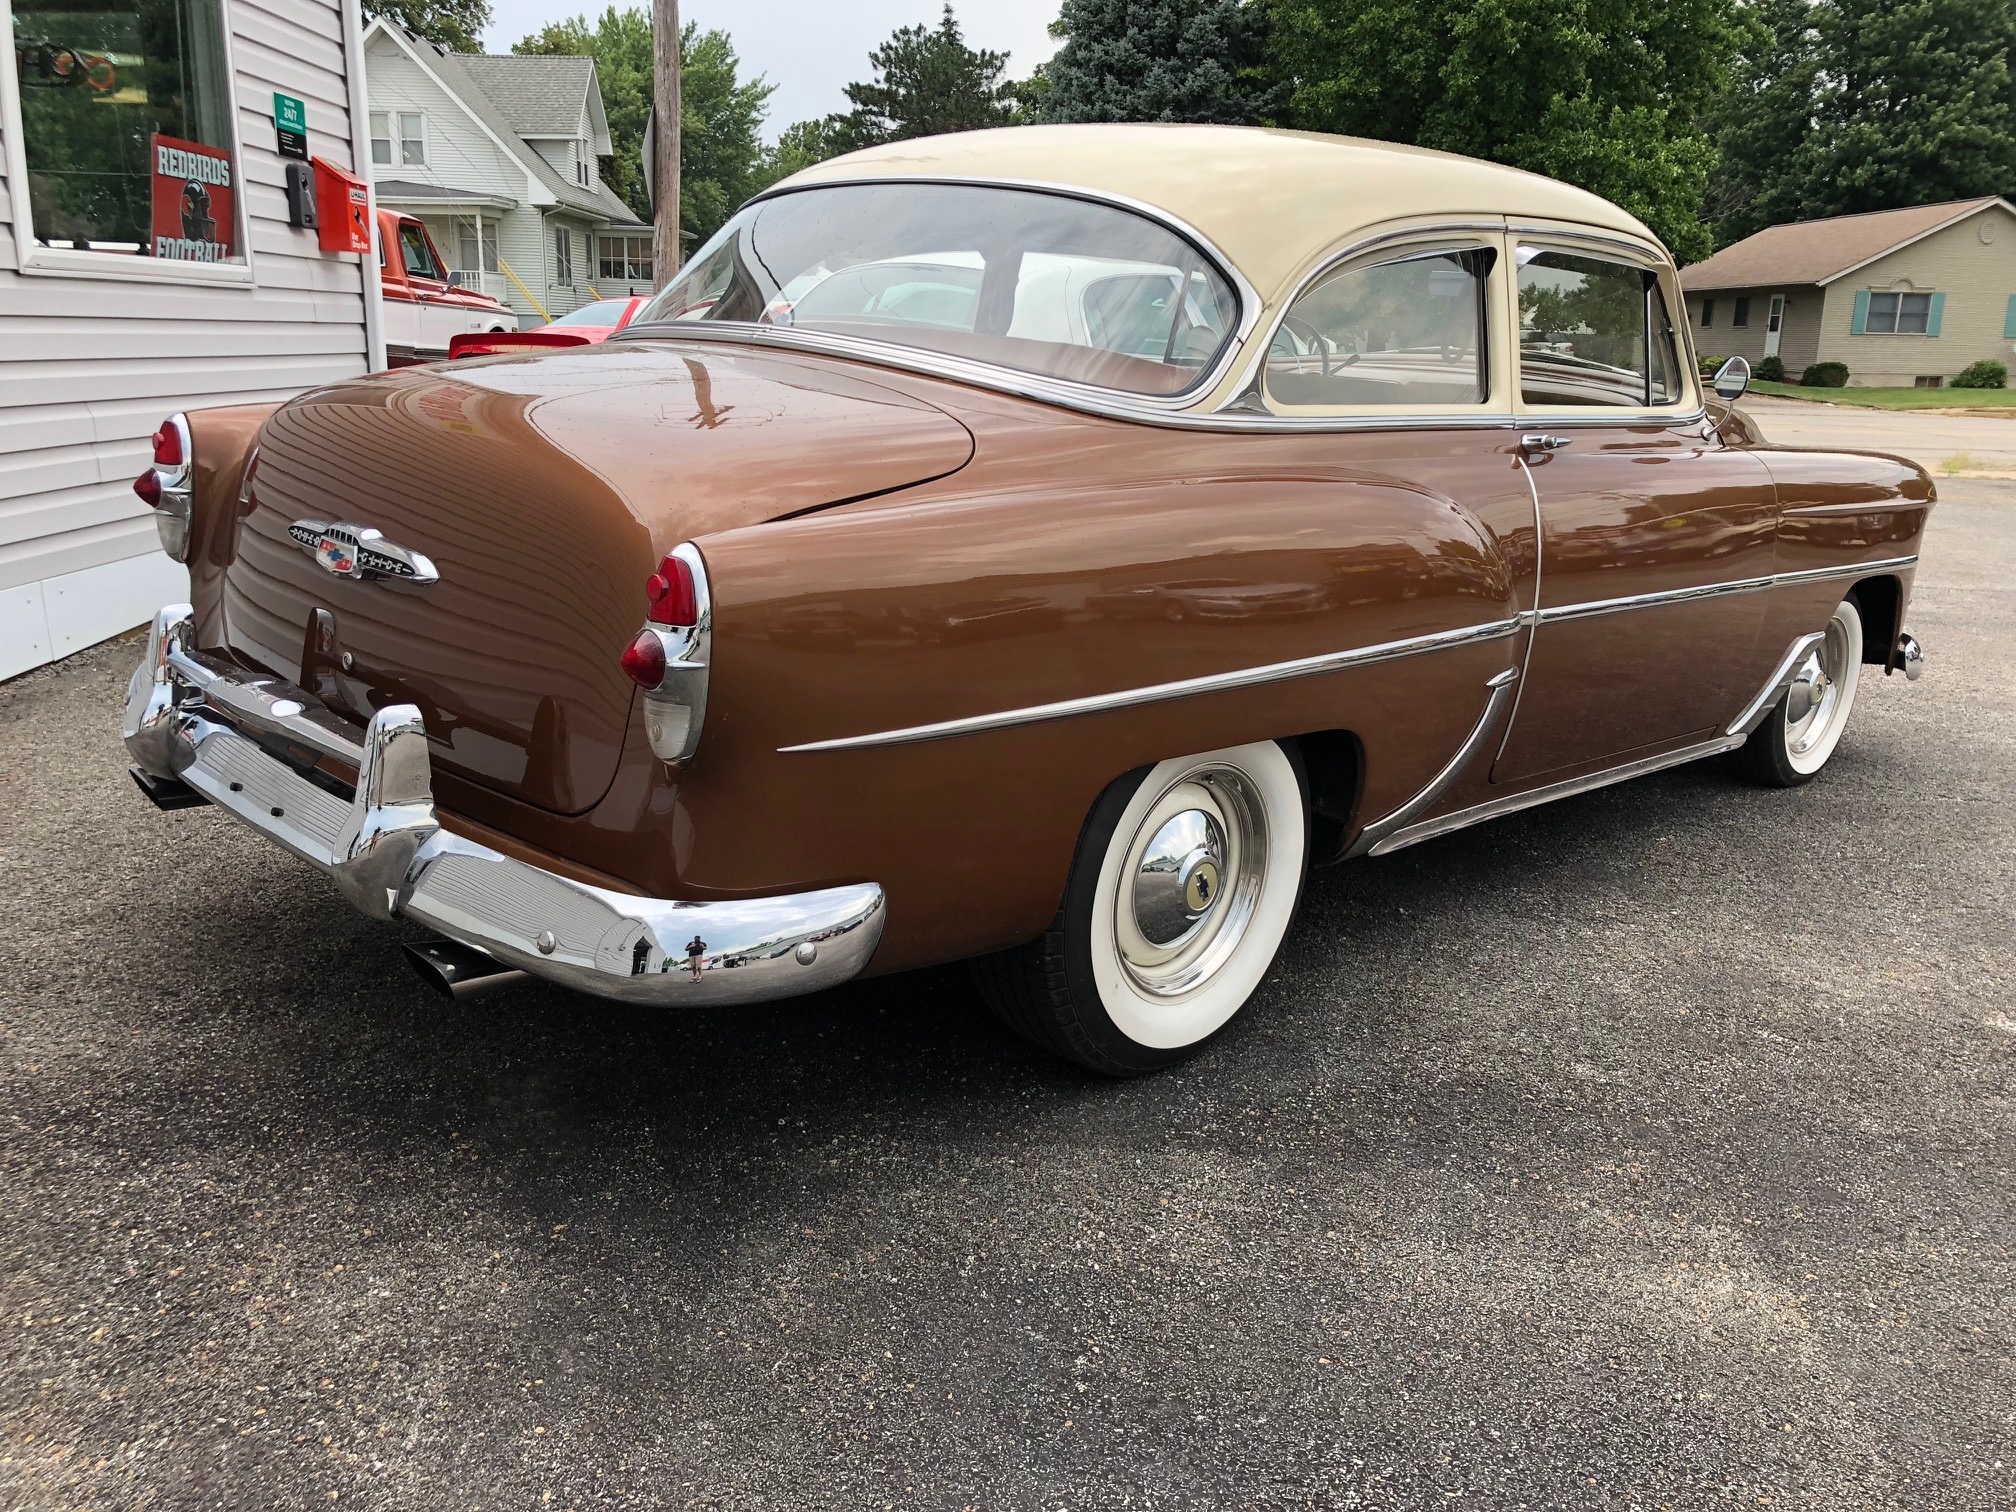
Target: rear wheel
column 1185, row 882
column 1803, row 728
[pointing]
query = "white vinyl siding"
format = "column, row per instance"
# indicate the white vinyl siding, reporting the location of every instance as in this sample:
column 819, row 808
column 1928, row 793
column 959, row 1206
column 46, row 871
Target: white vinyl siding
column 89, row 367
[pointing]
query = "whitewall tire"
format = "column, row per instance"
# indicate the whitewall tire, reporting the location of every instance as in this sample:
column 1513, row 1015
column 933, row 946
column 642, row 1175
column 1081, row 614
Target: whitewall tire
column 1186, row 880
column 1800, row 734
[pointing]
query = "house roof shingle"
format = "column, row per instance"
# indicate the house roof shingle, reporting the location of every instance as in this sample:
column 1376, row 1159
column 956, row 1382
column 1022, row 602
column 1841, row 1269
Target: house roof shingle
column 542, row 95
column 1819, row 251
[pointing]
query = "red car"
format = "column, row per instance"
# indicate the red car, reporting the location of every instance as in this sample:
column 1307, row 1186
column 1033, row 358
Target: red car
column 583, row 327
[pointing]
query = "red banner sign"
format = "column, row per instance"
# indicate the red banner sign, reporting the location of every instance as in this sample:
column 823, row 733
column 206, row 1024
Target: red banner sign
column 194, row 190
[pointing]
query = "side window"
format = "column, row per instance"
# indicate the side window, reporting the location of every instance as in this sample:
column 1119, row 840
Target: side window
column 1593, row 332
column 418, row 255
column 1405, row 332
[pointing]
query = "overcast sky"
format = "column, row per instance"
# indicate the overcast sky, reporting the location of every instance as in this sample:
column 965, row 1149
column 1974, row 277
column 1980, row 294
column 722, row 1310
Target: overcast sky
column 810, row 48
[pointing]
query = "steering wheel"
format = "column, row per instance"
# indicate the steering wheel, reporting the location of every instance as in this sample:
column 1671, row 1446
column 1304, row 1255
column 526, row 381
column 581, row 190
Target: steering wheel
column 1308, row 336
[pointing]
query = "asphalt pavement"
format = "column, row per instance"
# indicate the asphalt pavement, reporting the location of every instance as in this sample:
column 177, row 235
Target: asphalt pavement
column 1983, row 442
column 1649, row 1150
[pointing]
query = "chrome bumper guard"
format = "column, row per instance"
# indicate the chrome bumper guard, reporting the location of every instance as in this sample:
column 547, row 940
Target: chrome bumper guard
column 389, row 856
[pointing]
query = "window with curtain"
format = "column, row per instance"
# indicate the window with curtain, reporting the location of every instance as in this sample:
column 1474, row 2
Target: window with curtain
column 126, row 116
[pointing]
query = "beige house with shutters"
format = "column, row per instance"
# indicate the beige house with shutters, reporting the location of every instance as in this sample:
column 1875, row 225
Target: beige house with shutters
column 1903, row 298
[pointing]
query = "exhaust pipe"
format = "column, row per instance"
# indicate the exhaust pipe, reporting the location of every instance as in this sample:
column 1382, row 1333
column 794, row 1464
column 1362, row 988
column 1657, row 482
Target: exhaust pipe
column 455, row 970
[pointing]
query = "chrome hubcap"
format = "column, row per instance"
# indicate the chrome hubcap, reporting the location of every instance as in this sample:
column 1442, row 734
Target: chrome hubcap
column 1813, row 702
column 1189, row 881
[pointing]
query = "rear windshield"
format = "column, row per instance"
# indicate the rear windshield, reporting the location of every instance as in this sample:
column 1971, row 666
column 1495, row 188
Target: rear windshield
column 1038, row 282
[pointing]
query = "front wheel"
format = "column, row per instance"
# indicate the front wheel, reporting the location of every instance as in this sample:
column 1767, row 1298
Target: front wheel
column 1803, row 728
column 1186, row 879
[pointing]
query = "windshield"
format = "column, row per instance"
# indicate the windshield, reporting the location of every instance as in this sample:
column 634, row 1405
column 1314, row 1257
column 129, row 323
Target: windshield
column 608, row 313
column 1041, row 283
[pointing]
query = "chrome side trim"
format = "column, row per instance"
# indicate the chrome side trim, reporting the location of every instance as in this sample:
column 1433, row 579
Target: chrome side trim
column 1529, row 618
column 386, row 851
column 1715, row 590
column 1502, row 694
column 1498, row 807
column 1216, row 682
column 1737, row 731
column 1774, row 689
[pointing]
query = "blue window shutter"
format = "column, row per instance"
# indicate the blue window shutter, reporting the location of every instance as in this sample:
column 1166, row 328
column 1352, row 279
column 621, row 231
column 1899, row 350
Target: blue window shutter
column 2009, row 320
column 1933, row 316
column 1861, row 321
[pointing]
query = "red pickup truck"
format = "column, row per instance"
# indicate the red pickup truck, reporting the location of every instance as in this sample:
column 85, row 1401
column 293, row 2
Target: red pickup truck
column 425, row 308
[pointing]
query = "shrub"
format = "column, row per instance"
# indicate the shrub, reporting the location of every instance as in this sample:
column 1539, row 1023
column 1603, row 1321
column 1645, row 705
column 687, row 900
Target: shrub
column 1770, row 370
column 1826, row 375
column 1986, row 373
column 1708, row 364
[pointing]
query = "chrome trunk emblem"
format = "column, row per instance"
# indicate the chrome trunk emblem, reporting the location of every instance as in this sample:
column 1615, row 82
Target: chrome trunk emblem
column 356, row 551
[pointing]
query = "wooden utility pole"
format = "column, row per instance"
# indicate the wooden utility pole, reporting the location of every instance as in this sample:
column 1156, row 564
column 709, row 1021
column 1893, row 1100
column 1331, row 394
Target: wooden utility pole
column 665, row 256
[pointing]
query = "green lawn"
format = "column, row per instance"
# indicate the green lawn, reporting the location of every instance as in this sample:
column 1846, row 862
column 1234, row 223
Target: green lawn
column 1897, row 398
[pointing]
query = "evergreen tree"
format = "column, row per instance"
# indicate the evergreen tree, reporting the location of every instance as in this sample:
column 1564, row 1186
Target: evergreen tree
column 926, row 82
column 1607, row 94
column 1843, row 106
column 456, row 25
column 1160, row 60
column 721, row 157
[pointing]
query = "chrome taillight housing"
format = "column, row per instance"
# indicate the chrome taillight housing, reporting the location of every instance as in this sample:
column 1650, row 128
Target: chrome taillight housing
column 168, row 487
column 669, row 657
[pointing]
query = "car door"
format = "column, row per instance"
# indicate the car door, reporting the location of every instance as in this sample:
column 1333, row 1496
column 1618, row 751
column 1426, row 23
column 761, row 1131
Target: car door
column 1654, row 536
column 440, row 318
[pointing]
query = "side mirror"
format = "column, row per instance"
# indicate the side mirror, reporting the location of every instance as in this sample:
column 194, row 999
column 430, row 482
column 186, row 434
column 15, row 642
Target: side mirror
column 456, row 281
column 1732, row 379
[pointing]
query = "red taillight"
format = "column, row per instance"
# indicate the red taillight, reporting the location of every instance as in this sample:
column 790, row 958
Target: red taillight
column 168, row 445
column 148, row 486
column 672, row 595
column 644, row 661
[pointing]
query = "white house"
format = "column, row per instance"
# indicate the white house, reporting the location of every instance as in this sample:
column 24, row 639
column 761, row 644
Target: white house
column 497, row 154
column 147, row 265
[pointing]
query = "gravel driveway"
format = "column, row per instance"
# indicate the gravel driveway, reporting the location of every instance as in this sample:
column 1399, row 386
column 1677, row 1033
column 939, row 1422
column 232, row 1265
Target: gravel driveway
column 1649, row 1150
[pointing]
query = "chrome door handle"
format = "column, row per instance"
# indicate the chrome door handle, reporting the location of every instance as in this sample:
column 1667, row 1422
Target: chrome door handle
column 1539, row 441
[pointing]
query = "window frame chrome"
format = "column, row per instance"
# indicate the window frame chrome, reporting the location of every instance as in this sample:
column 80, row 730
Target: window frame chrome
column 1692, row 404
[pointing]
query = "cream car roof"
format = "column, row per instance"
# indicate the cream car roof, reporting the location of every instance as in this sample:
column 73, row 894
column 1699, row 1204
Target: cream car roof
column 1269, row 200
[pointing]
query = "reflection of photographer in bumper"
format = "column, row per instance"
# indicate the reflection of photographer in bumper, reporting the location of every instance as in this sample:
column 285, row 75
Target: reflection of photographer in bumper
column 197, row 224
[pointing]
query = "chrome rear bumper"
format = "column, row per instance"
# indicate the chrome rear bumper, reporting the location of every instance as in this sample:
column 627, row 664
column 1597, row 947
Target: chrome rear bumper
column 190, row 718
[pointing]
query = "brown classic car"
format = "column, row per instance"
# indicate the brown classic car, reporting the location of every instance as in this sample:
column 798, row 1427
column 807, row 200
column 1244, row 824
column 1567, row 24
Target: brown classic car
column 1038, row 546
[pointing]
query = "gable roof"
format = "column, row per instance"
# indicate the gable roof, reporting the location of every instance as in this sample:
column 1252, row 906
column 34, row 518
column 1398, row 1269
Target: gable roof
column 1820, row 251
column 466, row 86
column 539, row 95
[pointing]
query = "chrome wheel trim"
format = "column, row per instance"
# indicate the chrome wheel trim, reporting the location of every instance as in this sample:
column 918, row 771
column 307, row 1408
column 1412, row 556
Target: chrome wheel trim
column 1823, row 692
column 1217, row 816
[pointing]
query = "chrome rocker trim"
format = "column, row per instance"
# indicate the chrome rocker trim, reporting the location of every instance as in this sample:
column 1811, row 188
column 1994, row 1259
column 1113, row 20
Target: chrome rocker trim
column 1370, row 841
column 1733, row 735
column 389, row 855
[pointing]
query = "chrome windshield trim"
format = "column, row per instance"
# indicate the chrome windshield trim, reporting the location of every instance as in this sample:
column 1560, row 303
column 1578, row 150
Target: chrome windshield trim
column 1189, row 687
column 989, row 374
column 1716, row 590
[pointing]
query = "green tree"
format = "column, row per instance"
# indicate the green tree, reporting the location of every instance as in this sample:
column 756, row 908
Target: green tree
column 926, row 82
column 454, row 24
column 804, row 143
column 1843, row 106
column 1159, row 60
column 1607, row 94
column 721, row 157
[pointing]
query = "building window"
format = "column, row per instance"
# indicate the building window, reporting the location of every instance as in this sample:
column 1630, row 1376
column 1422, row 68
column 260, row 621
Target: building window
column 581, row 162
column 1707, row 313
column 475, row 244
column 381, row 137
column 1936, row 380
column 126, row 125
column 563, row 256
column 411, row 140
column 1899, row 314
column 624, row 259
column 1742, row 315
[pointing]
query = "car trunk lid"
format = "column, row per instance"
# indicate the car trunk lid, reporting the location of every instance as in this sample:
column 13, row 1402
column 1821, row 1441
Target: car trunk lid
column 541, row 491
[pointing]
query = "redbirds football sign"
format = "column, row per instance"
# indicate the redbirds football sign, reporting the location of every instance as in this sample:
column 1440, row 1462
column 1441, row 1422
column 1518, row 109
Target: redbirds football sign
column 193, row 187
